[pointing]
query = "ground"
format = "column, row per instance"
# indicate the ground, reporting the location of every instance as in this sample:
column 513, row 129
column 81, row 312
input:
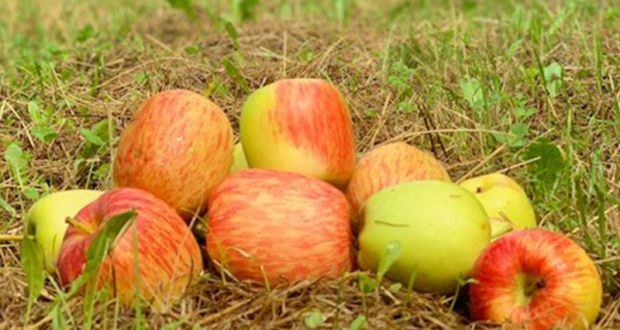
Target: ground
column 528, row 88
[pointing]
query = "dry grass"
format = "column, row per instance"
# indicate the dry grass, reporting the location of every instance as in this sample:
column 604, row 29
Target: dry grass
column 442, row 123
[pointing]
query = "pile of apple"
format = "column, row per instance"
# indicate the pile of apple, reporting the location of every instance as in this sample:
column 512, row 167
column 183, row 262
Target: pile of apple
column 286, row 203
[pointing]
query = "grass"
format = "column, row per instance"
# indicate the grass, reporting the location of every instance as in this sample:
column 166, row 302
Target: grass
column 532, row 83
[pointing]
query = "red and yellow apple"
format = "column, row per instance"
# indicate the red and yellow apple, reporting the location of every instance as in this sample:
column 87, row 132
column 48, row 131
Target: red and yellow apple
column 390, row 165
column 167, row 255
column 302, row 126
column 536, row 279
column 279, row 226
column 441, row 227
column 504, row 200
column 178, row 146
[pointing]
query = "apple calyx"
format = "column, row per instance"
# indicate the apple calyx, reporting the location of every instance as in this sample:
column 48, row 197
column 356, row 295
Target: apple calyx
column 528, row 286
column 79, row 226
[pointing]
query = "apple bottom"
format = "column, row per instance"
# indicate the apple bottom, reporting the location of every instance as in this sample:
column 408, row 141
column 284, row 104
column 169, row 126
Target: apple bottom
column 537, row 279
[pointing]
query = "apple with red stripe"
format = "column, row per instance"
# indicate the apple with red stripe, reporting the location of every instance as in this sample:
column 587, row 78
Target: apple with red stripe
column 390, row 165
column 302, row 126
column 168, row 255
column 281, row 225
column 536, row 279
column 178, row 146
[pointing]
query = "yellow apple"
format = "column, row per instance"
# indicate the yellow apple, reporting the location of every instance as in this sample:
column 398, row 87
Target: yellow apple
column 239, row 160
column 504, row 200
column 441, row 227
column 45, row 220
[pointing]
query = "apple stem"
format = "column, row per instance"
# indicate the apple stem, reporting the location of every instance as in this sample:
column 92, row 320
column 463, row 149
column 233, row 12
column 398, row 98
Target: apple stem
column 79, row 226
column 11, row 238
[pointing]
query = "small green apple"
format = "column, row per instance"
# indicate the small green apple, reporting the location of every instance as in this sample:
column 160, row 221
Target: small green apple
column 504, row 200
column 45, row 220
column 441, row 227
column 239, row 160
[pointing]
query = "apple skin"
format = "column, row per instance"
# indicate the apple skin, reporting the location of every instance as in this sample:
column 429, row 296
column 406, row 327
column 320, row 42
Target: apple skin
column 294, row 226
column 302, row 126
column 168, row 254
column 178, row 146
column 566, row 285
column 45, row 220
column 239, row 161
column 390, row 165
column 504, row 200
column 441, row 227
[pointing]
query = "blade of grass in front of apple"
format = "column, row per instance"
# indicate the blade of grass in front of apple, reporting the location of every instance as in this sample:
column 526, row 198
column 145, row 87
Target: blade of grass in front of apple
column 96, row 253
column 391, row 253
column 32, row 264
column 100, row 246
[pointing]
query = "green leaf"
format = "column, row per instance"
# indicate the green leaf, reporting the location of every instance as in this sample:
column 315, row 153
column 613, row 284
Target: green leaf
column 45, row 134
column 32, row 194
column 523, row 114
column 314, row 320
column 102, row 171
column 358, row 323
column 184, row 5
column 232, row 70
column 391, row 253
column 192, row 50
column 58, row 323
column 86, row 33
column 232, row 33
column 472, row 93
column 5, row 205
column 395, row 287
column 550, row 163
column 35, row 113
column 32, row 264
column 517, row 137
column 100, row 246
column 553, row 78
column 244, row 10
column 340, row 7
column 366, row 283
column 92, row 137
column 18, row 162
column 140, row 77
column 174, row 325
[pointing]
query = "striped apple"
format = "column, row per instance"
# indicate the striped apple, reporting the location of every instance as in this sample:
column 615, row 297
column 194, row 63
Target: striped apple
column 302, row 126
column 284, row 225
column 178, row 146
column 167, row 254
column 536, row 279
column 390, row 165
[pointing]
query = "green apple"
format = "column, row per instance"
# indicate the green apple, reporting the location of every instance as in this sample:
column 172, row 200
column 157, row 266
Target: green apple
column 239, row 160
column 441, row 227
column 504, row 200
column 45, row 220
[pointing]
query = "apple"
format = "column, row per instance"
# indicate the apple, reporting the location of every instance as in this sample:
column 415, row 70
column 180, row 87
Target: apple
column 537, row 279
column 390, row 165
column 504, row 200
column 45, row 220
column 302, row 126
column 239, row 161
column 441, row 227
column 279, row 226
column 178, row 146
column 168, row 255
